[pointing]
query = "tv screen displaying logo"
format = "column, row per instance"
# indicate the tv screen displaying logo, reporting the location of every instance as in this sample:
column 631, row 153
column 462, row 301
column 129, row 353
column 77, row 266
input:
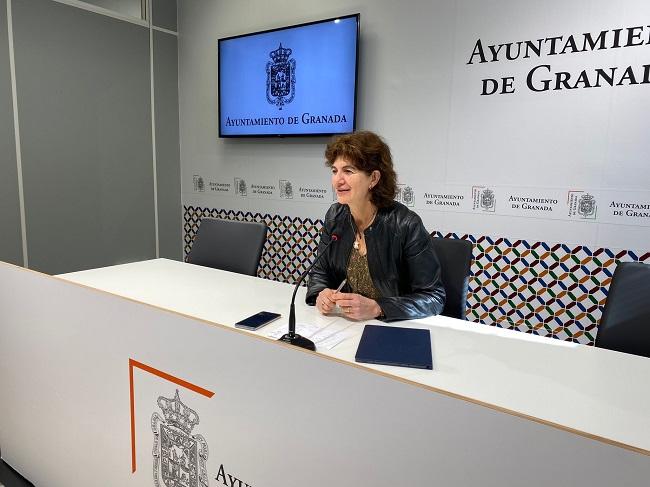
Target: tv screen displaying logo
column 298, row 80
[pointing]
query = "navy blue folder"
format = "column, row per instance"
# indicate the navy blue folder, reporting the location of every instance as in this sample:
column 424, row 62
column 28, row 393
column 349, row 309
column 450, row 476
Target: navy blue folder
column 387, row 345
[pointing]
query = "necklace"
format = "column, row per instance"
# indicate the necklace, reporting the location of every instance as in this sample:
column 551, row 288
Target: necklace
column 358, row 237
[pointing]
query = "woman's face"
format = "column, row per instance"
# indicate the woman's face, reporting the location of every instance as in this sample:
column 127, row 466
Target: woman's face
column 352, row 184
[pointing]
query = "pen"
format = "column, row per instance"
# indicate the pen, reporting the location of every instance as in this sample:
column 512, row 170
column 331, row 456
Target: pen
column 341, row 285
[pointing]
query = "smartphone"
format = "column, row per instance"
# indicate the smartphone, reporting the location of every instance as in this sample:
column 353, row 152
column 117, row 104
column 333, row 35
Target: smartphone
column 257, row 321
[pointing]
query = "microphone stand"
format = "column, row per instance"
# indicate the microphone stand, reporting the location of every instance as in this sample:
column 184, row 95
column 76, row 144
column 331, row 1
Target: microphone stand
column 292, row 337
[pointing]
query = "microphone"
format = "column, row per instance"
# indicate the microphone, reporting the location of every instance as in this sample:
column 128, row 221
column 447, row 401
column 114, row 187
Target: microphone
column 292, row 337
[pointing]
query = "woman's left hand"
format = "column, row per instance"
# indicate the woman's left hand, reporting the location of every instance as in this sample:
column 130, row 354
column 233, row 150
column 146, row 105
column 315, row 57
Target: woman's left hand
column 356, row 306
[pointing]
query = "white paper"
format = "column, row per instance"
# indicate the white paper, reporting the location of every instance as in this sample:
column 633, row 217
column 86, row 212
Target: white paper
column 326, row 337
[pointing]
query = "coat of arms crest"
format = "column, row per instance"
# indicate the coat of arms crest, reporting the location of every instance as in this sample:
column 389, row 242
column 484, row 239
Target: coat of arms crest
column 199, row 184
column 280, row 77
column 286, row 189
column 587, row 206
column 179, row 456
column 240, row 187
column 408, row 198
column 488, row 200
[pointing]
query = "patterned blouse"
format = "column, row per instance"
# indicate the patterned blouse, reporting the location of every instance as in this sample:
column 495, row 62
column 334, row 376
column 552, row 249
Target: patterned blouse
column 359, row 278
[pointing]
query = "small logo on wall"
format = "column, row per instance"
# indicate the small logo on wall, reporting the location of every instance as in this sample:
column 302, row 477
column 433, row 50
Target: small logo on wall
column 488, row 200
column 240, row 187
column 280, row 77
column 286, row 189
column 408, row 197
column 199, row 184
column 587, row 206
column 179, row 457
column 484, row 198
column 405, row 194
column 582, row 204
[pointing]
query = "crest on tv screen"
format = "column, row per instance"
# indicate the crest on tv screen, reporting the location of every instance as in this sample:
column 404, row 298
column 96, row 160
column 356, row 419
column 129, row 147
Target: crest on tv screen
column 280, row 77
column 299, row 80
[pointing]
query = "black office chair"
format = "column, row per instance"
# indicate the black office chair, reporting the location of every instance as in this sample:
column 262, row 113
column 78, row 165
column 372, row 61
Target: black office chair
column 10, row 478
column 455, row 256
column 625, row 325
column 228, row 245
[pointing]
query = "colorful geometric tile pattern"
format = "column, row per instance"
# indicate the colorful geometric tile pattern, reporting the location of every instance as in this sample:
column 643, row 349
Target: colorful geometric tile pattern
column 290, row 242
column 546, row 289
column 550, row 290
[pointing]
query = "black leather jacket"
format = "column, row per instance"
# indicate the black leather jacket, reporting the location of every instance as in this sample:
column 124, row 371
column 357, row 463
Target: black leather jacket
column 401, row 260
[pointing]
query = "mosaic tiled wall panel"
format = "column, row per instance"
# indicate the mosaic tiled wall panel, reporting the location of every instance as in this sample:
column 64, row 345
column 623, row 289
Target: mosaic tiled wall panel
column 290, row 242
column 547, row 289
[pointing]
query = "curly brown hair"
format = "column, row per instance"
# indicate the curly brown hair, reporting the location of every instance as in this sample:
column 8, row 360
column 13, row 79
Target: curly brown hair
column 367, row 152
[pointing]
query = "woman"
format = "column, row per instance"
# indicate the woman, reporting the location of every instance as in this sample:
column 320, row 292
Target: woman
column 382, row 247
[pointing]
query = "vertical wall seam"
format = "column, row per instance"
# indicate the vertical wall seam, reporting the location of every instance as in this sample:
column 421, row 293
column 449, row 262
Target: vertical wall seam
column 178, row 104
column 153, row 129
column 19, row 162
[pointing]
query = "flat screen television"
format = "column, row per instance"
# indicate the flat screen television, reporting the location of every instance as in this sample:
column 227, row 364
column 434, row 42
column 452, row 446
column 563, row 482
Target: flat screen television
column 294, row 81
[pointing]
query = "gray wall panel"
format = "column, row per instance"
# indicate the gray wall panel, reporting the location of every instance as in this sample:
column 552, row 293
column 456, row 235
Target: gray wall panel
column 164, row 14
column 10, row 235
column 165, row 55
column 84, row 108
column 132, row 8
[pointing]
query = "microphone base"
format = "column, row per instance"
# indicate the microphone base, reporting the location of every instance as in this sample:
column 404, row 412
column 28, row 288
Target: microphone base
column 298, row 341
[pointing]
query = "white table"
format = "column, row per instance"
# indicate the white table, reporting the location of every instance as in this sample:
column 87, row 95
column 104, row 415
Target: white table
column 86, row 359
column 597, row 393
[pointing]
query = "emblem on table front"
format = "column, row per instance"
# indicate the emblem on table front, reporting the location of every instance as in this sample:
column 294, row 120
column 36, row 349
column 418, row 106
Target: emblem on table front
column 280, row 77
column 178, row 456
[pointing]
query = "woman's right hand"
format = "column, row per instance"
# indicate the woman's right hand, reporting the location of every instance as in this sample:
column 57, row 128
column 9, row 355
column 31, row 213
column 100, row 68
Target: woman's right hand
column 324, row 301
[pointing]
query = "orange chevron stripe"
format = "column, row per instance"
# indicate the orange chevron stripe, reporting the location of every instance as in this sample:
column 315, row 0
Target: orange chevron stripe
column 163, row 375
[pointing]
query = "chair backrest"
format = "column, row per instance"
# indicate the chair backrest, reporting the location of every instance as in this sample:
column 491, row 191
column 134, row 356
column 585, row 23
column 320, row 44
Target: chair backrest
column 625, row 325
column 228, row 245
column 455, row 256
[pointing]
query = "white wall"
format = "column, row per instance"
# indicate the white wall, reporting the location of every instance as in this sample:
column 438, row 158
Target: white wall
column 417, row 90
